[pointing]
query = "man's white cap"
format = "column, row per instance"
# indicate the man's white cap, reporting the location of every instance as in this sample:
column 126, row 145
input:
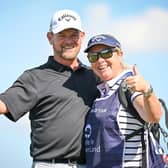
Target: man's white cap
column 65, row 19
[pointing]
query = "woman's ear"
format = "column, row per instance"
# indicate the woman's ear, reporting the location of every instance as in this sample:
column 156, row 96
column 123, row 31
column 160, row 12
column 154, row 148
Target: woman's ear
column 120, row 53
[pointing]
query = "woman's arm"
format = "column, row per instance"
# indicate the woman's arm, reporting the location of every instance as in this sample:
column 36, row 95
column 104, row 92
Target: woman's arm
column 147, row 104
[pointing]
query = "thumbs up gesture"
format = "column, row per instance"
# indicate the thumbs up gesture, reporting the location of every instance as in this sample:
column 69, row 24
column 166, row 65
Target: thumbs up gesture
column 137, row 83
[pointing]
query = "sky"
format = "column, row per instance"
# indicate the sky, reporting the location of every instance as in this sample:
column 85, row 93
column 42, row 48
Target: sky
column 140, row 26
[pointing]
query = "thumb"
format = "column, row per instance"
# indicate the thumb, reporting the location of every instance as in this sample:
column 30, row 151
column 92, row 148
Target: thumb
column 135, row 70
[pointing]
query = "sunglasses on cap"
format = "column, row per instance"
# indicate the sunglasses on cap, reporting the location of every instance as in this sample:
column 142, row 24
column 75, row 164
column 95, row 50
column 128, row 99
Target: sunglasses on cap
column 105, row 54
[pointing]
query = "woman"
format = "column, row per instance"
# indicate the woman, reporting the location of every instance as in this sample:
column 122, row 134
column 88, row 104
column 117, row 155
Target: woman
column 108, row 123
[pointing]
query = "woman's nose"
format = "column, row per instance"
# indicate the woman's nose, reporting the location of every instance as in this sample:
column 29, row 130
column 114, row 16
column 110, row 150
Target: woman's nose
column 100, row 59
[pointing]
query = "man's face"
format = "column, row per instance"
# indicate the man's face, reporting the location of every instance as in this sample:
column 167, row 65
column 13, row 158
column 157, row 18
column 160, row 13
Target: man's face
column 67, row 43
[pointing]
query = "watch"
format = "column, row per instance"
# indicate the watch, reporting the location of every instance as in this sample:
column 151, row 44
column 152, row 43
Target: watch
column 148, row 92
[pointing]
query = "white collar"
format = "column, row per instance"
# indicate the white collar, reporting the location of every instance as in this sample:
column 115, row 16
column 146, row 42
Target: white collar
column 105, row 86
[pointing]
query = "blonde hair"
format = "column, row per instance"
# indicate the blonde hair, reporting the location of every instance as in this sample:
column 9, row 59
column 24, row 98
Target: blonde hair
column 125, row 65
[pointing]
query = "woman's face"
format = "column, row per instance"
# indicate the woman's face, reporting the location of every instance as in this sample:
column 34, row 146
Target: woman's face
column 106, row 68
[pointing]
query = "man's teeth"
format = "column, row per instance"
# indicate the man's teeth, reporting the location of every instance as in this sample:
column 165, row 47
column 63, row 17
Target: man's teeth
column 69, row 47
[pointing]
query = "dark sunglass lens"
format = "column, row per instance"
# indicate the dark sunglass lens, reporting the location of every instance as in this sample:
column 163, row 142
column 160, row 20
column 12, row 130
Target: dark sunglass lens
column 106, row 54
column 92, row 58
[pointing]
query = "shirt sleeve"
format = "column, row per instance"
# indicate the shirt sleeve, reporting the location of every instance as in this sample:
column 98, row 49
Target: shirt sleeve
column 134, row 95
column 20, row 97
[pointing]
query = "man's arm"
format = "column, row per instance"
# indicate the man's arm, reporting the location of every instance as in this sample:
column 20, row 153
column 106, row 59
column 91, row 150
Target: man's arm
column 3, row 108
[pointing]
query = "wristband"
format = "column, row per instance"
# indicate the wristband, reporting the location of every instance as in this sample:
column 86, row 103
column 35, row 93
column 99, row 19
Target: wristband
column 148, row 92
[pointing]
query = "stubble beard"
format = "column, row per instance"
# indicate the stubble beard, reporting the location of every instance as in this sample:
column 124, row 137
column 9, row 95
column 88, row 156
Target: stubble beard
column 69, row 55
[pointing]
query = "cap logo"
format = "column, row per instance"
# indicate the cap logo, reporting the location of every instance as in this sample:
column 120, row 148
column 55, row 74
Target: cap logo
column 67, row 17
column 98, row 38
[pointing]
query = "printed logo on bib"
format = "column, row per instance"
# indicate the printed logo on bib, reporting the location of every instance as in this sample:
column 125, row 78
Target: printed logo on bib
column 89, row 142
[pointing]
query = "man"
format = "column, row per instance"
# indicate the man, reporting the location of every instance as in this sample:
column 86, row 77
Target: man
column 57, row 95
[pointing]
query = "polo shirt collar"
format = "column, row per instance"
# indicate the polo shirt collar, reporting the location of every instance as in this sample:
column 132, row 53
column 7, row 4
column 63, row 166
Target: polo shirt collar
column 60, row 67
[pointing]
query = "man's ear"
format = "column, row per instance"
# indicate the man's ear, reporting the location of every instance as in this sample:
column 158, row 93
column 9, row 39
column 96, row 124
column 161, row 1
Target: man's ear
column 50, row 37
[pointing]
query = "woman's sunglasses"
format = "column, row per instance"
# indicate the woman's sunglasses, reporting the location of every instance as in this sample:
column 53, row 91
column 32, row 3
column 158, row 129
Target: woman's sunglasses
column 105, row 54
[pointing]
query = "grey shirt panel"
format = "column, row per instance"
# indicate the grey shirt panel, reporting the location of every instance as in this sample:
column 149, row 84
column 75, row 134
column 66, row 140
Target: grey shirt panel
column 58, row 100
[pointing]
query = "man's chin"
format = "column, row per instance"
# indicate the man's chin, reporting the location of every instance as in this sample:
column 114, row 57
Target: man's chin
column 69, row 57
